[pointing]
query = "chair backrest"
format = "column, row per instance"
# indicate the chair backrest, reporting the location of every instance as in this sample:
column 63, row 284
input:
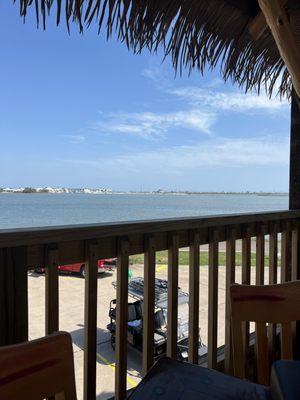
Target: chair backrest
column 38, row 369
column 263, row 304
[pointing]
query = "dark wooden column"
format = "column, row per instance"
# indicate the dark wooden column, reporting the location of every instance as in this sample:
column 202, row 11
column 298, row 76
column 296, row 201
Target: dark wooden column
column 294, row 200
column 13, row 296
column 294, row 197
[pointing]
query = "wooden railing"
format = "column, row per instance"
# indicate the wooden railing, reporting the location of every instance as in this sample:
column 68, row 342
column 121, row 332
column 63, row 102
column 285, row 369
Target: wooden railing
column 22, row 248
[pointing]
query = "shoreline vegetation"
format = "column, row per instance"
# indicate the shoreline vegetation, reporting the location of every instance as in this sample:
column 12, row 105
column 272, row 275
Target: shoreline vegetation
column 103, row 191
column 162, row 258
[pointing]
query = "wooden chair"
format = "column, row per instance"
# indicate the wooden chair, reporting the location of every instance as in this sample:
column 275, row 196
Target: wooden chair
column 263, row 304
column 38, row 369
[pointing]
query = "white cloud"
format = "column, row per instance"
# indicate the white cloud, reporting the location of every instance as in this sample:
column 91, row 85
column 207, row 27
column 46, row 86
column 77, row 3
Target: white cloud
column 214, row 153
column 198, row 108
column 263, row 151
column 228, row 101
column 156, row 125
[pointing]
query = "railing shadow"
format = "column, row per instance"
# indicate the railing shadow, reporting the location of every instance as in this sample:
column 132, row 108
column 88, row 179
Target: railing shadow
column 105, row 352
column 102, row 275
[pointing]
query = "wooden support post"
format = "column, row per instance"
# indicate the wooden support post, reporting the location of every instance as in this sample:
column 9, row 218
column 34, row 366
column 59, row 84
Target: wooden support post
column 90, row 322
column 294, row 200
column 13, row 295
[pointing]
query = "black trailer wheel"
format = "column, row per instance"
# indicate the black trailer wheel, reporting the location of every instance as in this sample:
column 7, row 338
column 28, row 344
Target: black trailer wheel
column 82, row 271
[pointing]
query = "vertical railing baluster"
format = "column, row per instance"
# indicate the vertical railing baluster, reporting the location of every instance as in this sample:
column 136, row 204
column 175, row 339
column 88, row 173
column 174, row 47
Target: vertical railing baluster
column 121, row 320
column 13, row 295
column 273, row 257
column 273, row 269
column 260, row 329
column 149, row 298
column 51, row 291
column 260, row 256
column 90, row 322
column 230, row 278
column 194, row 271
column 212, row 339
column 295, row 253
column 295, row 276
column 246, row 277
column 286, row 272
column 172, row 315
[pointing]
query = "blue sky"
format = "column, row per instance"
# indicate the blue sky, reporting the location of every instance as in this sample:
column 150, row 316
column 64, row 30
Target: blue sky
column 77, row 111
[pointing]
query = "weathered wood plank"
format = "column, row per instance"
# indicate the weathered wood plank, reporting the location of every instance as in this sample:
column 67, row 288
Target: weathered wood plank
column 295, row 254
column 260, row 257
column 286, row 341
column 273, row 255
column 257, row 26
column 286, row 270
column 294, row 196
column 262, row 356
column 294, row 189
column 172, row 296
column 121, row 320
column 273, row 268
column 51, row 291
column 13, row 296
column 230, row 278
column 149, row 297
column 194, row 272
column 212, row 340
column 246, row 279
column 90, row 322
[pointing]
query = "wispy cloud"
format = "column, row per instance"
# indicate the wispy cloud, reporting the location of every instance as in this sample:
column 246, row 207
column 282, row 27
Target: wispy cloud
column 227, row 101
column 156, row 125
column 211, row 95
column 212, row 153
column 198, row 108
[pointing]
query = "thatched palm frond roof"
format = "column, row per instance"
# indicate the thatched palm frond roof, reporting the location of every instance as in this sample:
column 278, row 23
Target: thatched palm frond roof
column 195, row 33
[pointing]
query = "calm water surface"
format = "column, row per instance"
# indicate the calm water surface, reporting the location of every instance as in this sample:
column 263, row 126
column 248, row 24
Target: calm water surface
column 28, row 210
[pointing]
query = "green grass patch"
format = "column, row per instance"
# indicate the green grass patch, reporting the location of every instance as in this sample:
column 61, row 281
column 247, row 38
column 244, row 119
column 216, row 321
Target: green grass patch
column 162, row 258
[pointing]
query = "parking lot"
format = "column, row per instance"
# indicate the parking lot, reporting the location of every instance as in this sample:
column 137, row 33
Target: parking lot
column 71, row 303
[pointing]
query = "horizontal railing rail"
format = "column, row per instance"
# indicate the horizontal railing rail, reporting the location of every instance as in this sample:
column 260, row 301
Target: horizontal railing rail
column 44, row 235
column 21, row 249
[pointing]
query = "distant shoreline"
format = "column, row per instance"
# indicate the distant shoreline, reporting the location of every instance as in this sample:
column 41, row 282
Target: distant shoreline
column 160, row 193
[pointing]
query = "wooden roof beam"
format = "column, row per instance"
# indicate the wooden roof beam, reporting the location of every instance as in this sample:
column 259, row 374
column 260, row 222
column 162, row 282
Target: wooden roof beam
column 278, row 21
column 258, row 24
